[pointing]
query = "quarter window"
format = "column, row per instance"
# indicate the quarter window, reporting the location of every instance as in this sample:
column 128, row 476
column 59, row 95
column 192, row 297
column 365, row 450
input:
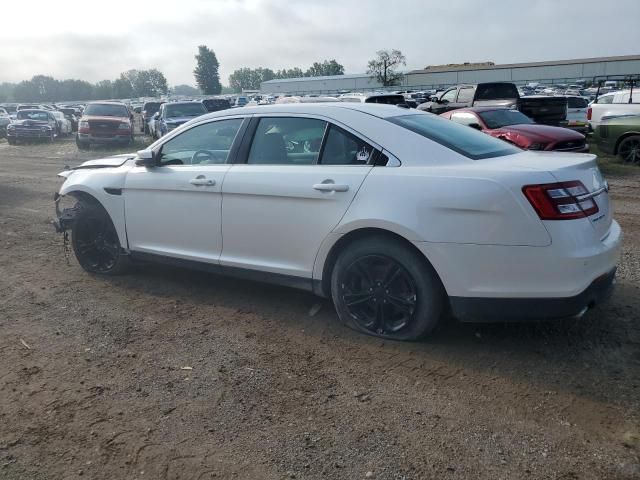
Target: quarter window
column 287, row 141
column 203, row 144
column 343, row 148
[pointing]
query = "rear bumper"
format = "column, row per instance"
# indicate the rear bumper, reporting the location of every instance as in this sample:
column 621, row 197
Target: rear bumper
column 531, row 309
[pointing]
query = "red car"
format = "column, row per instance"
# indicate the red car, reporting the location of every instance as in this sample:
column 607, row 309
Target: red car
column 105, row 123
column 515, row 127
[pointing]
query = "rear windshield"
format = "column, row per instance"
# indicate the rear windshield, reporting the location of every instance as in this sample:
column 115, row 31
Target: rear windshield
column 496, row 91
column 216, row 104
column 184, row 110
column 106, row 110
column 502, row 118
column 467, row 141
column 387, row 99
column 152, row 107
column 573, row 102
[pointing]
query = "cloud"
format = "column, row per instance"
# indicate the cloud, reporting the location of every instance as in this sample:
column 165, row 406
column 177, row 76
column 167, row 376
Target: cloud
column 76, row 43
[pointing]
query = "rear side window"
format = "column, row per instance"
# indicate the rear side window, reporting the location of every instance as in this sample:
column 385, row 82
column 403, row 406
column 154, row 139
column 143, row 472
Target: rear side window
column 287, row 141
column 342, row 148
column 605, row 99
column 496, row 91
column 466, row 141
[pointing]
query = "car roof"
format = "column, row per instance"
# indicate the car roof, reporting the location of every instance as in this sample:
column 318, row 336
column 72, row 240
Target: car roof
column 374, row 109
column 35, row 110
column 479, row 109
column 106, row 103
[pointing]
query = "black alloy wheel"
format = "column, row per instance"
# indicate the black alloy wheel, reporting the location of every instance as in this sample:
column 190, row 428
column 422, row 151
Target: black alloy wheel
column 95, row 242
column 629, row 149
column 379, row 294
column 385, row 287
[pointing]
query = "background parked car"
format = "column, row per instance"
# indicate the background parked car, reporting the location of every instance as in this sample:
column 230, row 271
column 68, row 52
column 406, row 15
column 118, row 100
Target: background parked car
column 549, row 110
column 577, row 113
column 105, row 123
column 620, row 136
column 614, row 104
column 174, row 114
column 516, row 128
column 63, row 123
column 5, row 120
column 71, row 115
column 32, row 124
column 148, row 110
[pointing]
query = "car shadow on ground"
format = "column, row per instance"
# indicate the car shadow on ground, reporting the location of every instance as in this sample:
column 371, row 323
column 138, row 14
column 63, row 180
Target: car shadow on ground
column 568, row 355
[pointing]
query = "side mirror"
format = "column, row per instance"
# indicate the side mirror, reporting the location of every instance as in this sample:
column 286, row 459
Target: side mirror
column 146, row 158
column 156, row 115
column 434, row 98
column 476, row 126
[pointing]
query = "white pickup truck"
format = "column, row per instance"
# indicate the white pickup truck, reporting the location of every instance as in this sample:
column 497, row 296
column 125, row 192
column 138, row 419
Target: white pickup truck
column 613, row 104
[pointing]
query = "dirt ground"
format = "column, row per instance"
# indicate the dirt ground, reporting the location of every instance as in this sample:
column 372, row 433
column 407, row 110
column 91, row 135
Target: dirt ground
column 94, row 380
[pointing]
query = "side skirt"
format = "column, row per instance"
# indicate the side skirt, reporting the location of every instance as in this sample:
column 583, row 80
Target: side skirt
column 291, row 281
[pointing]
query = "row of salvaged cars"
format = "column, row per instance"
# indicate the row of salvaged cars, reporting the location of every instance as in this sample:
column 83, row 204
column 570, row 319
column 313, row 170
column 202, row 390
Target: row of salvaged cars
column 38, row 121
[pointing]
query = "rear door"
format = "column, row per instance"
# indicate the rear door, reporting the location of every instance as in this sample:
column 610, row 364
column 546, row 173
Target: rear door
column 299, row 176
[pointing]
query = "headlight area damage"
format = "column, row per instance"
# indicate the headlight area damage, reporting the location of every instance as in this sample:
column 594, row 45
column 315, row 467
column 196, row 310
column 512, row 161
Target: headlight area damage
column 67, row 209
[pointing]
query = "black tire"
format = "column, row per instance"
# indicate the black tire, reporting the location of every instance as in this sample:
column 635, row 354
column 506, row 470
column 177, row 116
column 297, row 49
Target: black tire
column 629, row 150
column 95, row 242
column 82, row 145
column 398, row 297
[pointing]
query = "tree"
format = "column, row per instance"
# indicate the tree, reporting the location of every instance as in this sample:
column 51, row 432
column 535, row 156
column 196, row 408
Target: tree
column 384, row 65
column 206, row 71
column 103, row 90
column 326, row 68
column 250, row 78
column 291, row 73
column 186, row 90
column 149, row 83
column 122, row 87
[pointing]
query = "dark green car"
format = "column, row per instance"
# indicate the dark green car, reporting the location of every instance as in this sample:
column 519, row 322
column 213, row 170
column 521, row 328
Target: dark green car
column 620, row 136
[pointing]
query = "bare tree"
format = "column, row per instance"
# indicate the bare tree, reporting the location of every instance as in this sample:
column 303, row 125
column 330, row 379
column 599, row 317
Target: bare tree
column 383, row 67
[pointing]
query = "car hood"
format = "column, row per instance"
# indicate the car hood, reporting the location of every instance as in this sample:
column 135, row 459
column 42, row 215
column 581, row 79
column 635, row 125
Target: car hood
column 109, row 162
column 28, row 122
column 180, row 119
column 105, row 119
column 542, row 132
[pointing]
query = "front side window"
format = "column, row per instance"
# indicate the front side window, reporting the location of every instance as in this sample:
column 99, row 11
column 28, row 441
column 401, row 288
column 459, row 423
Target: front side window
column 343, row 148
column 449, row 96
column 466, row 95
column 466, row 141
column 287, row 141
column 605, row 99
column 206, row 144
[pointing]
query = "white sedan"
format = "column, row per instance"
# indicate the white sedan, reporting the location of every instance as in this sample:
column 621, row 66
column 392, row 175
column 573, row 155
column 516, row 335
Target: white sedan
column 397, row 215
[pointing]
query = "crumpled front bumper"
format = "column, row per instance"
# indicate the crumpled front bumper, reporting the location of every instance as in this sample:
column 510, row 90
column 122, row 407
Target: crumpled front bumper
column 65, row 217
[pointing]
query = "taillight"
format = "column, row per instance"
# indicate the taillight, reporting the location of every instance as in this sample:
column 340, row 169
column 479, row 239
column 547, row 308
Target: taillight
column 589, row 112
column 560, row 201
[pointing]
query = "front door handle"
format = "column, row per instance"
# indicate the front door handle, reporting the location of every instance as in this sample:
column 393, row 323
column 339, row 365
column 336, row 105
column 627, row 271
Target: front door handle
column 330, row 187
column 202, row 181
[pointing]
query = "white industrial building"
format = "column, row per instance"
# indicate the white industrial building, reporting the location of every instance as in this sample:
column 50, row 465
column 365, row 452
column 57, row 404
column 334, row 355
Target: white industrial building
column 558, row 71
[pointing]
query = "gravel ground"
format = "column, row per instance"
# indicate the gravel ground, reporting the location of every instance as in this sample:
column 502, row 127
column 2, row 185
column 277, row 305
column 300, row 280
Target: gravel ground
column 171, row 374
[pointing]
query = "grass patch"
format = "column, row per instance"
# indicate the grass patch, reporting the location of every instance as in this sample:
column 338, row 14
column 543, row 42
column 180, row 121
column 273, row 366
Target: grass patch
column 613, row 166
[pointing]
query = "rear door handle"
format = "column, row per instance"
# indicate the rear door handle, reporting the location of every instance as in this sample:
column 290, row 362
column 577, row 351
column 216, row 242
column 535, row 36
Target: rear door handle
column 330, row 187
column 202, row 181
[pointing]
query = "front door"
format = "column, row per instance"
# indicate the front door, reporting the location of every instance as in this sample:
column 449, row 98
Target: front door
column 174, row 209
column 300, row 176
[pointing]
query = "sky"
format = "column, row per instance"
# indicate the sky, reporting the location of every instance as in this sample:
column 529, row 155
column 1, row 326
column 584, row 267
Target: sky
column 80, row 41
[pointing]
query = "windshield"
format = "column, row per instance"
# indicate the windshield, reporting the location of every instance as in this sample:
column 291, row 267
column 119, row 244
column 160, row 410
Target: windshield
column 32, row 115
column 502, row 118
column 184, row 110
column 467, row 141
column 106, row 110
column 151, row 107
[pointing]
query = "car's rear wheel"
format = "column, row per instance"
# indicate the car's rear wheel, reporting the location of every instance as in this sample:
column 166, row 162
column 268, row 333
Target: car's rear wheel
column 384, row 288
column 95, row 241
column 629, row 149
column 82, row 145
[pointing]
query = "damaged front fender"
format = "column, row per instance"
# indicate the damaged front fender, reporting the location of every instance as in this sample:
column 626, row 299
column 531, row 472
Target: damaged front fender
column 65, row 217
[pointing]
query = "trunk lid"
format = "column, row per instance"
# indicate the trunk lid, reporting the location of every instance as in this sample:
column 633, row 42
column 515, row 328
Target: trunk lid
column 566, row 167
